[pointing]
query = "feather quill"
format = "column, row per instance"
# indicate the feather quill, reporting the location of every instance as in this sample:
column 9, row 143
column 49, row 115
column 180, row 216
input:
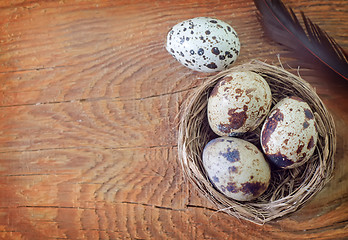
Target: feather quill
column 311, row 45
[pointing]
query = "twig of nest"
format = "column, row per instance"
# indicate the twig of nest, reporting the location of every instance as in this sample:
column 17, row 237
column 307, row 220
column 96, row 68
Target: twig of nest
column 289, row 189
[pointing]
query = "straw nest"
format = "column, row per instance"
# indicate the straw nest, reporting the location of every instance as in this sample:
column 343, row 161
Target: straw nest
column 289, row 189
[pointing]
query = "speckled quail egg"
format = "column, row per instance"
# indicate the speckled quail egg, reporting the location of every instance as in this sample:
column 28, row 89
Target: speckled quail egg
column 237, row 168
column 203, row 44
column 238, row 103
column 289, row 134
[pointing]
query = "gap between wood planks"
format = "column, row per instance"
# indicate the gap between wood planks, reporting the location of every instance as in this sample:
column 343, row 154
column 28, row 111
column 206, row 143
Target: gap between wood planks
column 187, row 206
column 99, row 99
column 100, row 148
column 35, row 69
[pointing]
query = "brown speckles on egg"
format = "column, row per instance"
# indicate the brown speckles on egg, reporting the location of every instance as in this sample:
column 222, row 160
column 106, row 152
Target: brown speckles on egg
column 224, row 128
column 299, row 147
column 239, row 93
column 215, row 179
column 228, row 54
column 207, row 34
column 233, row 169
column 255, row 161
column 308, row 114
column 261, row 109
column 280, row 160
column 231, row 156
column 247, row 188
column 253, row 188
column 232, row 187
column 237, row 118
column 269, row 127
column 236, row 168
column 215, row 50
column 222, row 188
column 311, row 144
column 211, row 65
column 234, row 107
column 249, row 91
column 288, row 141
column 200, row 51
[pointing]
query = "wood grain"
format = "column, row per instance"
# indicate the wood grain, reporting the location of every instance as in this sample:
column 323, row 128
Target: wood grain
column 89, row 99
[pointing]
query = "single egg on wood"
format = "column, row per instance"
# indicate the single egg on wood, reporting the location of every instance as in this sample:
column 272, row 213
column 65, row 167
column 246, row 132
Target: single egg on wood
column 289, row 134
column 238, row 103
column 237, row 168
column 203, row 44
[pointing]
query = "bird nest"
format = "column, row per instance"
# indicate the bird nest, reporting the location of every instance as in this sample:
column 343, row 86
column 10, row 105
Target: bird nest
column 289, row 189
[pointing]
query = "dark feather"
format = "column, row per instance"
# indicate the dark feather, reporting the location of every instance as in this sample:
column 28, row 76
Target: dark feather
column 312, row 46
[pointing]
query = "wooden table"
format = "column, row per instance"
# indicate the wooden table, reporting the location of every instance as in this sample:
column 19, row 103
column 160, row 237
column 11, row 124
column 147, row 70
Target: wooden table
column 88, row 104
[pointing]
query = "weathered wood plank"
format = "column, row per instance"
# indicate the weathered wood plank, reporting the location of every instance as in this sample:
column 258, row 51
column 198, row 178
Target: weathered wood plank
column 88, row 105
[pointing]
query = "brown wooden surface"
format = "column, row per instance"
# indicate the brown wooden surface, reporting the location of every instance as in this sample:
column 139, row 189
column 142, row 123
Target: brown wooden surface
column 88, row 105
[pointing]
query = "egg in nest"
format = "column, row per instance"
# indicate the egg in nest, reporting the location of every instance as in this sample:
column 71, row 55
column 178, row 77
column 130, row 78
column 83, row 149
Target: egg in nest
column 203, row 44
column 238, row 103
column 237, row 168
column 289, row 134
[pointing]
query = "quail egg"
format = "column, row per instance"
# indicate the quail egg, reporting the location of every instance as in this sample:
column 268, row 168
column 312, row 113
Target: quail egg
column 237, row 168
column 289, row 134
column 238, row 103
column 203, row 44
